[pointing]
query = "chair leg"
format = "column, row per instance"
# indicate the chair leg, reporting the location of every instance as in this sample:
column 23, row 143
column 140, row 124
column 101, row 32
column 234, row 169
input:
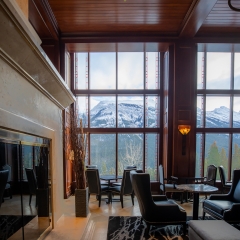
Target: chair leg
column 121, row 199
column 181, row 198
column 99, row 199
column 30, row 199
column 203, row 216
column 132, row 196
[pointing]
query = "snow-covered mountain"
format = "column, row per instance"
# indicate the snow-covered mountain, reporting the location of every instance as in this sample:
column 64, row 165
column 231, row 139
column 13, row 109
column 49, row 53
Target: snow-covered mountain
column 219, row 118
column 130, row 114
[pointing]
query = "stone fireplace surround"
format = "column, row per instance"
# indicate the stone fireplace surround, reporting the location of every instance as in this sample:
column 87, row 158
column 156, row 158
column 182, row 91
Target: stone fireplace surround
column 32, row 93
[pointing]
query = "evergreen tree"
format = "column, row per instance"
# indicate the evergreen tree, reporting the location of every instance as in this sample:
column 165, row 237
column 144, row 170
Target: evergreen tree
column 236, row 157
column 213, row 157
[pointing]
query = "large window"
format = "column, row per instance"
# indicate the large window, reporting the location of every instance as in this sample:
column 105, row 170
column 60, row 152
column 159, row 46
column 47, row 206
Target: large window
column 218, row 111
column 118, row 98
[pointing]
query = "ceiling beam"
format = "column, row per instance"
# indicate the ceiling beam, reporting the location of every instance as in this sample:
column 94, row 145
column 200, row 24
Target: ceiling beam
column 196, row 17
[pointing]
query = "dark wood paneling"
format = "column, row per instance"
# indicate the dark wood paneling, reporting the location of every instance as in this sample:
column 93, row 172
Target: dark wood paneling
column 120, row 16
column 43, row 20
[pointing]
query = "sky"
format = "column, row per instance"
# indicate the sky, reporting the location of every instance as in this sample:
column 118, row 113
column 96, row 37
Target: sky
column 102, row 72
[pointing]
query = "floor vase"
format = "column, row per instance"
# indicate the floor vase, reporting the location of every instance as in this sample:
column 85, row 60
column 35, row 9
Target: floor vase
column 81, row 202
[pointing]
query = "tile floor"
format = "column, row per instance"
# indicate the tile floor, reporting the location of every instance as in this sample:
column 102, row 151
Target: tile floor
column 69, row 227
column 95, row 226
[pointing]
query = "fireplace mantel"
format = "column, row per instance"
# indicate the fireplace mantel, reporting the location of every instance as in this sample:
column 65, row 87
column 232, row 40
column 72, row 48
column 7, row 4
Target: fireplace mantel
column 20, row 42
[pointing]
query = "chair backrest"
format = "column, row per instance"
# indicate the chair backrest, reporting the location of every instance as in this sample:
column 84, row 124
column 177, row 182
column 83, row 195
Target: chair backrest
column 126, row 186
column 222, row 175
column 235, row 189
column 91, row 166
column 8, row 167
column 142, row 190
column 211, row 174
column 161, row 178
column 32, row 180
column 93, row 180
column 3, row 182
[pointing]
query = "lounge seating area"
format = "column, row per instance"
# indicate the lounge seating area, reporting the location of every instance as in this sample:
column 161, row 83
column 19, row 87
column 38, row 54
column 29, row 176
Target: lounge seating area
column 154, row 89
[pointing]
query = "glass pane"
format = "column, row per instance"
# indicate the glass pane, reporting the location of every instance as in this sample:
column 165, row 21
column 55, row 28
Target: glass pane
column 199, row 148
column 103, row 152
column 81, row 74
column 152, row 111
column 130, row 112
column 236, row 112
column 218, row 70
column 130, row 151
column 200, row 70
column 102, row 112
column 216, row 151
column 152, row 70
column 236, row 152
column 102, row 70
column 200, row 105
column 130, row 70
column 217, row 112
column 151, row 155
column 27, row 158
column 82, row 108
column 237, row 71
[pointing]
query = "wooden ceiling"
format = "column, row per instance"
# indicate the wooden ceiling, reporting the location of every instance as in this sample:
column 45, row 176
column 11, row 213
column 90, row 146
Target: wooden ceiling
column 77, row 21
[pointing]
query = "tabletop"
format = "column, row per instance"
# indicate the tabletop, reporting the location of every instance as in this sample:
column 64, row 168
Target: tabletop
column 109, row 177
column 200, row 188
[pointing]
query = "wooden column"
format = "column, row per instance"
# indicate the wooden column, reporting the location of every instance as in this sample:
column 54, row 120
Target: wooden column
column 184, row 108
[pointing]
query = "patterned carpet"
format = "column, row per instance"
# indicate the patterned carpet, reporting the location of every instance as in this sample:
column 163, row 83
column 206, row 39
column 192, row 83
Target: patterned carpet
column 9, row 224
column 131, row 228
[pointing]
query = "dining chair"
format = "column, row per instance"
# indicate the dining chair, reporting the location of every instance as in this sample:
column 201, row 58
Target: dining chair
column 125, row 188
column 32, row 184
column 170, row 186
column 225, row 185
column 95, row 186
column 8, row 184
column 3, row 182
column 210, row 177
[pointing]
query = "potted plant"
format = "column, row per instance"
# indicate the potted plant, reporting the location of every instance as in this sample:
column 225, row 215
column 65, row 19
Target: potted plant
column 77, row 156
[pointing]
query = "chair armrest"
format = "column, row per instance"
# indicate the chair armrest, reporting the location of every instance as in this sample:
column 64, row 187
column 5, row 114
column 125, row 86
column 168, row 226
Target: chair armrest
column 159, row 197
column 219, row 197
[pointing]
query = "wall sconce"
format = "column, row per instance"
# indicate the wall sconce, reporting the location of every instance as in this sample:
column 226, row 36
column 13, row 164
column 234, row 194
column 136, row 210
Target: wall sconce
column 184, row 130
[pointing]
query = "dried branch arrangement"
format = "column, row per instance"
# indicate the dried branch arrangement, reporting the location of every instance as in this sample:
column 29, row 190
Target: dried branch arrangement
column 78, row 152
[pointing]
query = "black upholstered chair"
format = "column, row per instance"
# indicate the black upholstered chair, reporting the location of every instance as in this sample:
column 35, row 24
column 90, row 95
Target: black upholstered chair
column 125, row 188
column 225, row 185
column 156, row 209
column 3, row 182
column 170, row 186
column 8, row 188
column 32, row 184
column 225, row 206
column 94, row 184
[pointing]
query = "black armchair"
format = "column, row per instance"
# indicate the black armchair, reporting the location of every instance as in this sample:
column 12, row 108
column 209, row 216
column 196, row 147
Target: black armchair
column 125, row 188
column 156, row 209
column 225, row 185
column 3, row 181
column 225, row 206
column 94, row 184
column 170, row 186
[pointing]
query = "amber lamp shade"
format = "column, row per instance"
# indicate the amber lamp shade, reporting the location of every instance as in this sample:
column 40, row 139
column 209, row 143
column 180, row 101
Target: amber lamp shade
column 184, row 130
